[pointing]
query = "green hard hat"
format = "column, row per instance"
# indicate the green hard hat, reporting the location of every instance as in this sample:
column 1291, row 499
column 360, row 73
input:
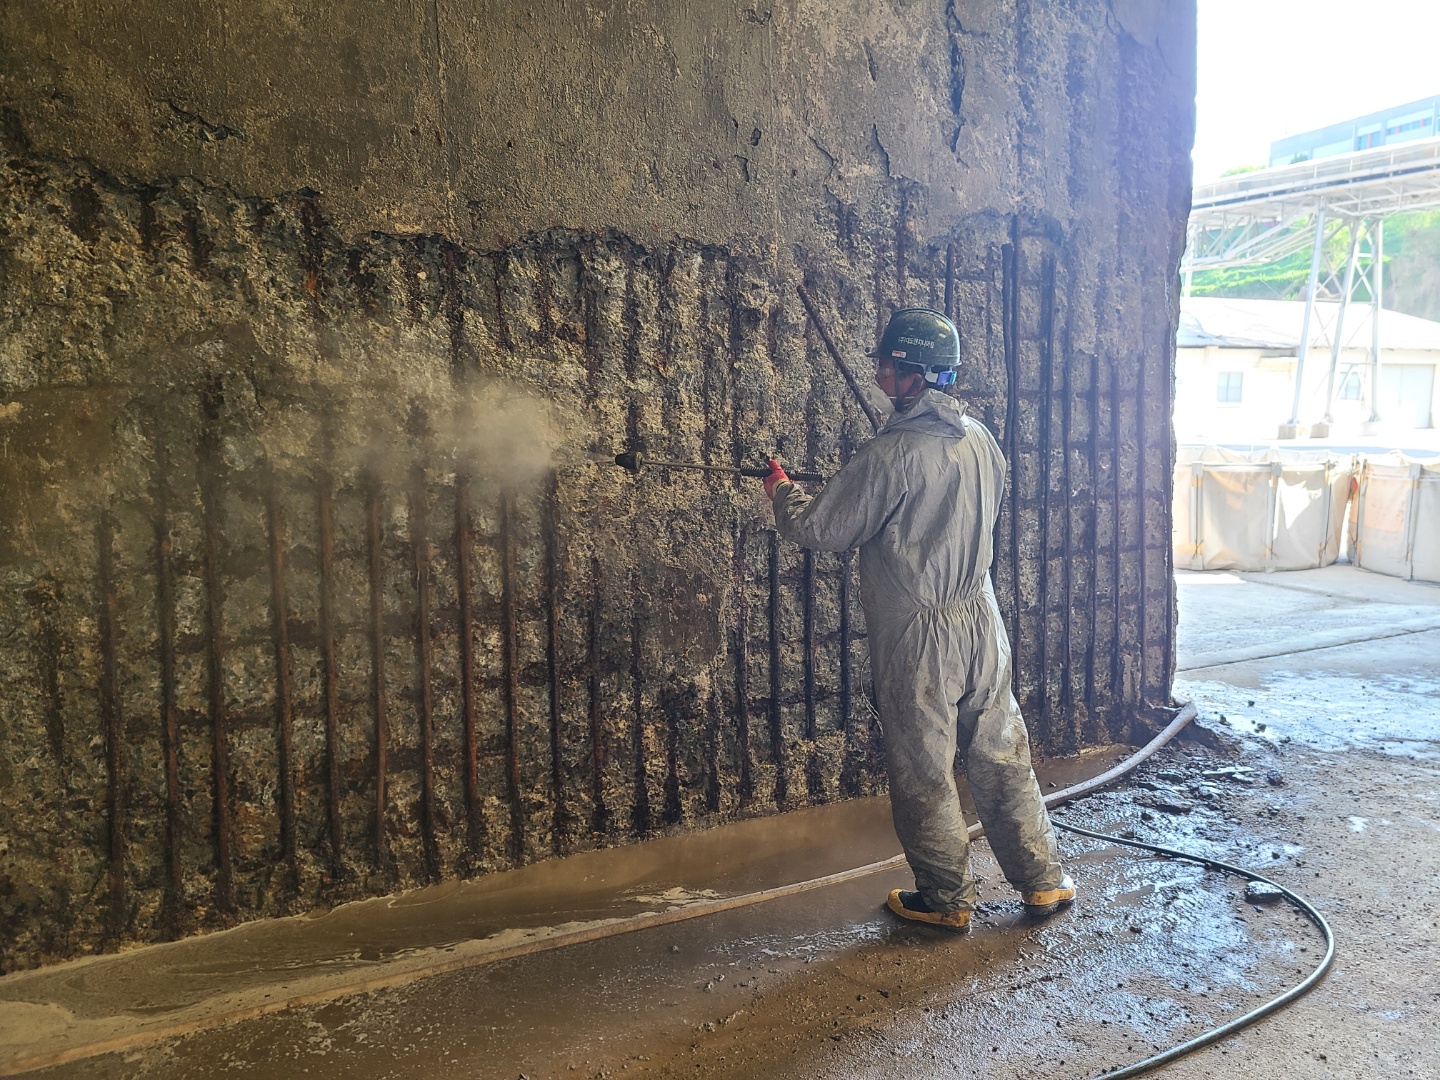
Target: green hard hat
column 920, row 337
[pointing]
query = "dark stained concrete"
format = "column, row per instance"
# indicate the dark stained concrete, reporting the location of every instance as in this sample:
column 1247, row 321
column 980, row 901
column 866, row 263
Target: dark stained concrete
column 1329, row 784
column 312, row 317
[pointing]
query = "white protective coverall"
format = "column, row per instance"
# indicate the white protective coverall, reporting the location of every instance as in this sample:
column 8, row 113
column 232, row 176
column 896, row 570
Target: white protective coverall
column 920, row 502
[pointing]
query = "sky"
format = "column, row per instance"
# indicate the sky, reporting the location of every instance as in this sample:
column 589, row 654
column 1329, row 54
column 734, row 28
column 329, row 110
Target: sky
column 1271, row 68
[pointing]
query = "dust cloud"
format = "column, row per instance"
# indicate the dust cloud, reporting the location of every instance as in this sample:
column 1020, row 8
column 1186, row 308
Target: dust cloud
column 501, row 433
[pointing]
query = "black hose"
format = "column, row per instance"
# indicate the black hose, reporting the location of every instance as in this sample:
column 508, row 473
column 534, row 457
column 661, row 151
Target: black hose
column 1217, row 1033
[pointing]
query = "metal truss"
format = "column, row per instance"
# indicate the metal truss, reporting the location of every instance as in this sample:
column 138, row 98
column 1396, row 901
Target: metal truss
column 1257, row 217
column 1361, row 271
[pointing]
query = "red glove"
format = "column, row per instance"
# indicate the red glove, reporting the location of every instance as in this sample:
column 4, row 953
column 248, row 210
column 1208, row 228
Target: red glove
column 775, row 479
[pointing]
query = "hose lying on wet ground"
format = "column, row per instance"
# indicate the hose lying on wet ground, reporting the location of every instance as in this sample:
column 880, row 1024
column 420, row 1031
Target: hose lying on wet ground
column 699, row 909
column 1215, row 1034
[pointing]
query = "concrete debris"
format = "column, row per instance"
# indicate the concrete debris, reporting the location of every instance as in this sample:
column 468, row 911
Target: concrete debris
column 1165, row 804
column 1260, row 892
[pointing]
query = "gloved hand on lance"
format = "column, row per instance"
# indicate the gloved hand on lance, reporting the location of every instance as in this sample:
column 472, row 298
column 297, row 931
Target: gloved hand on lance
column 775, row 478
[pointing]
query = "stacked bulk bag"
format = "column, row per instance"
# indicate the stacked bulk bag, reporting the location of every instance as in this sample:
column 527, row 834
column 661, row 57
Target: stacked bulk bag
column 1395, row 518
column 1259, row 510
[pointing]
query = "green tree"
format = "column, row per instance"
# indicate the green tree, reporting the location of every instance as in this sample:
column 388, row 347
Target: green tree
column 1412, row 268
column 1412, row 264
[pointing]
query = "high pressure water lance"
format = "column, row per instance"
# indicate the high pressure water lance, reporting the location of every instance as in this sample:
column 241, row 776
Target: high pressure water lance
column 634, row 460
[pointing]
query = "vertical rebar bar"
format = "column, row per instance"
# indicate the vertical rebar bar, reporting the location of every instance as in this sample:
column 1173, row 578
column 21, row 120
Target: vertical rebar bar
column 742, row 666
column 1067, row 569
column 174, row 893
column 807, row 606
column 814, row 772
column 284, row 690
column 112, row 718
column 600, row 813
column 424, row 656
column 1093, row 595
column 640, row 809
column 464, row 540
column 1142, row 458
column 777, row 733
column 847, row 560
column 1167, row 499
column 375, row 540
column 212, row 489
column 1117, row 639
column 511, row 664
column 560, row 830
column 1047, row 450
column 1010, row 317
column 330, row 664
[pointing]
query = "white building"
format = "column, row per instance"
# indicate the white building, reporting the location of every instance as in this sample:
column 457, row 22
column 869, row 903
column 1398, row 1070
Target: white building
column 1235, row 366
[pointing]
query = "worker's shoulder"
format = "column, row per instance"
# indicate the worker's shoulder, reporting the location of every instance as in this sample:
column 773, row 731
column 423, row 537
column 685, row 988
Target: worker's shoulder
column 973, row 427
column 979, row 435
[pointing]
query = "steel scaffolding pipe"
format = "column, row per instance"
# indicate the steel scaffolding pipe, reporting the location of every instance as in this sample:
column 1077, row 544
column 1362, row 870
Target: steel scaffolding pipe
column 1315, row 252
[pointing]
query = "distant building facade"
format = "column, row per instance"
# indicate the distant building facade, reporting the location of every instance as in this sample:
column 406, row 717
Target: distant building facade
column 1402, row 123
column 1235, row 369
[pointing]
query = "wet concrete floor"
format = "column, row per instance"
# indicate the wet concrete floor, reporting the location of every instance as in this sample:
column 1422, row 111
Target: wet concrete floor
column 1317, row 764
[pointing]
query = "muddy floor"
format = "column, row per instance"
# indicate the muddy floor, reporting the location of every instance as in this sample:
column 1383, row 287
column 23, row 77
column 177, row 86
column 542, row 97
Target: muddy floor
column 1318, row 763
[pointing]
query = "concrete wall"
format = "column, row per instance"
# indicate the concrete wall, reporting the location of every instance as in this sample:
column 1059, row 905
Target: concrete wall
column 311, row 317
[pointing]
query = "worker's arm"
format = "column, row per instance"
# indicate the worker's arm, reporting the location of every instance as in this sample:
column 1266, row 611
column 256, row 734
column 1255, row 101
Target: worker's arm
column 853, row 506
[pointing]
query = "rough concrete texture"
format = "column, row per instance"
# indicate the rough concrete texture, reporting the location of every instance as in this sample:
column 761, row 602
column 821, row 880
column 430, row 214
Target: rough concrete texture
column 1315, row 766
column 308, row 589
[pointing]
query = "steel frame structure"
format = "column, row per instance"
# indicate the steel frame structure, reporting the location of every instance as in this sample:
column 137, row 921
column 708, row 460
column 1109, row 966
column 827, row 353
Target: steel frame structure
column 1256, row 217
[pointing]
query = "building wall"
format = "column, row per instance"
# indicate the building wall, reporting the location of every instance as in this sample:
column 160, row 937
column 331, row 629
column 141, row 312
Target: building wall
column 1268, row 389
column 1398, row 124
column 314, row 318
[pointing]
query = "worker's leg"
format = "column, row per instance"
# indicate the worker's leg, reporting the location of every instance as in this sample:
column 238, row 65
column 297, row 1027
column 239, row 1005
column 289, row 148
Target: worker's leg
column 996, row 750
column 919, row 728
column 1007, row 796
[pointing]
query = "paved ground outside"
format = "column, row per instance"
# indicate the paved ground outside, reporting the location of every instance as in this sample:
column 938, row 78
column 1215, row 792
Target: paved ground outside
column 1318, row 762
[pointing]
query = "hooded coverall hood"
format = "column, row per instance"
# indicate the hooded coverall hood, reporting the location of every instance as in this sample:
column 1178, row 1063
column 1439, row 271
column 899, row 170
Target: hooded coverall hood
column 920, row 501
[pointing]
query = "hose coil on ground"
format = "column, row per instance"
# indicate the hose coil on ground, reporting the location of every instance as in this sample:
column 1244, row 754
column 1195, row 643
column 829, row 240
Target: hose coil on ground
column 1215, row 1034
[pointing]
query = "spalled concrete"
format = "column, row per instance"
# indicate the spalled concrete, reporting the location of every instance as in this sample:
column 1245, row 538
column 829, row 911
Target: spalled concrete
column 309, row 588
column 1326, row 782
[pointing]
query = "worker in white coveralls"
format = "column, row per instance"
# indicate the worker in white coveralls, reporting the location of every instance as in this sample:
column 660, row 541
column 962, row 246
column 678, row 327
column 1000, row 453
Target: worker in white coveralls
column 920, row 500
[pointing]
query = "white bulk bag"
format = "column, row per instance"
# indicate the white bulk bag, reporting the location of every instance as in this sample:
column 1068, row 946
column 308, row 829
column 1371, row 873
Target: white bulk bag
column 1395, row 522
column 1262, row 510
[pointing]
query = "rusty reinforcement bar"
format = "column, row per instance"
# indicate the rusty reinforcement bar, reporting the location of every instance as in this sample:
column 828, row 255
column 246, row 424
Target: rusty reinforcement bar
column 644, row 921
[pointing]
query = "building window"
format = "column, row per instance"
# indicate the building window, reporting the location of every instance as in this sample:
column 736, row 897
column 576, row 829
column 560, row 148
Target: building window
column 1227, row 387
column 1350, row 387
column 1369, row 139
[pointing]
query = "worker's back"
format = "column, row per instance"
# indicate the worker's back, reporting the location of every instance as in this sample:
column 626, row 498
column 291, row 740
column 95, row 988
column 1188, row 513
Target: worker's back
column 919, row 500
column 936, row 545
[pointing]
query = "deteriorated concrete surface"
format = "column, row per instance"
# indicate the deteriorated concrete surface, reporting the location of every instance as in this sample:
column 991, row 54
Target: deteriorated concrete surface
column 309, row 587
column 1317, row 766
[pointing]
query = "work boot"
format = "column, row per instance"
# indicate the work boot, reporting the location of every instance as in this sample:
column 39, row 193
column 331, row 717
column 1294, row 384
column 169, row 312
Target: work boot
column 1047, row 901
column 911, row 905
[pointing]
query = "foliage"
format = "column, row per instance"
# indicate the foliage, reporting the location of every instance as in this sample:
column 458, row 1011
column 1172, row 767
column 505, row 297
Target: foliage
column 1412, row 264
column 1412, row 268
